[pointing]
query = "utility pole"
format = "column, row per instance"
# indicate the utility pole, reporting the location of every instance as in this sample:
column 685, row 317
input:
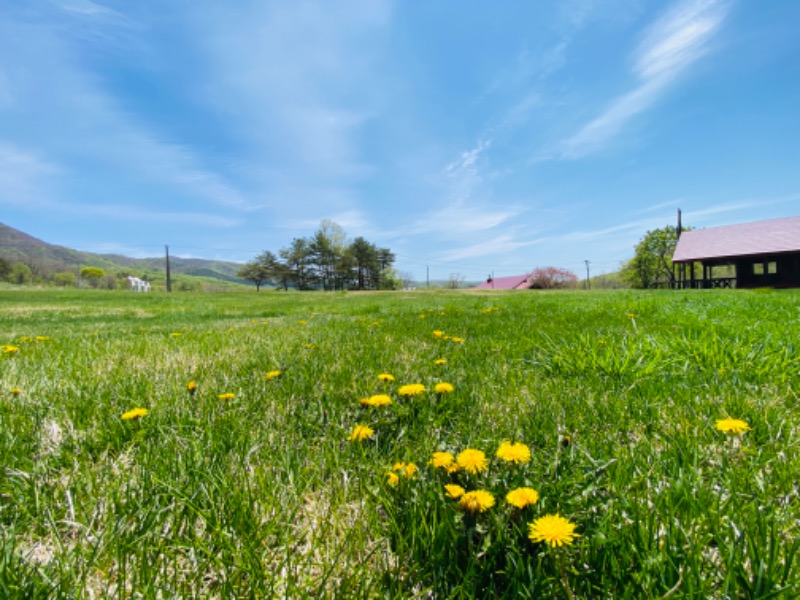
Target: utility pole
column 169, row 281
column 588, row 285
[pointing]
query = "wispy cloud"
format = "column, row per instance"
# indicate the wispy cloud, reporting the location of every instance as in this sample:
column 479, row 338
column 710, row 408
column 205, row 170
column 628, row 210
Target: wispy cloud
column 459, row 218
column 87, row 123
column 148, row 215
column 498, row 245
column 673, row 43
column 24, row 176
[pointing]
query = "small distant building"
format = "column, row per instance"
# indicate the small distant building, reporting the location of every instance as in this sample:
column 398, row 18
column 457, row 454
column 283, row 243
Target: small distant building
column 512, row 282
column 748, row 255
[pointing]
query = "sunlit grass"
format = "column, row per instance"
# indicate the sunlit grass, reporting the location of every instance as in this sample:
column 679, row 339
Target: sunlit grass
column 252, row 481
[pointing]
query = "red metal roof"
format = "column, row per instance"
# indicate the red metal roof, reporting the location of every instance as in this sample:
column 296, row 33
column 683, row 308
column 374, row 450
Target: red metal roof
column 745, row 239
column 512, row 282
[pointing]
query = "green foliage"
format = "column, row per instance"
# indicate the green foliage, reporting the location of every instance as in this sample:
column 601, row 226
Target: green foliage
column 651, row 265
column 325, row 261
column 93, row 275
column 263, row 495
column 65, row 279
column 20, row 273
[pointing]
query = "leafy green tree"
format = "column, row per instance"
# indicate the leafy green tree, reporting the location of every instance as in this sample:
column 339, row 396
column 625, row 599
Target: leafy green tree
column 65, row 279
column 255, row 271
column 5, row 269
column 298, row 263
column 365, row 258
column 93, row 275
column 651, row 265
column 20, row 273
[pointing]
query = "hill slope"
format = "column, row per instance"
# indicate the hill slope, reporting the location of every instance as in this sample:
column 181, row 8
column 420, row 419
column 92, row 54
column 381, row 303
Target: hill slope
column 17, row 246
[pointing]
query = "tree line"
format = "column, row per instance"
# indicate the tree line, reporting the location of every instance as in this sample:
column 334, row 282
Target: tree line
column 326, row 260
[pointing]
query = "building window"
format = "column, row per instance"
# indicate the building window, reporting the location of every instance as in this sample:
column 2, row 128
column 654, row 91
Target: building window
column 765, row 268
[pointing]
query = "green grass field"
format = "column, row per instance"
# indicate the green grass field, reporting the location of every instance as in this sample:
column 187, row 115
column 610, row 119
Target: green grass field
column 262, row 493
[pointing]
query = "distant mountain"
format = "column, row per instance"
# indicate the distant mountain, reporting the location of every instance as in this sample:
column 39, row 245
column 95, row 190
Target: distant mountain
column 17, row 246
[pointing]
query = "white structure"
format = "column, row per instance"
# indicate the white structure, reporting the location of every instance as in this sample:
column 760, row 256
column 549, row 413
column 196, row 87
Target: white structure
column 138, row 285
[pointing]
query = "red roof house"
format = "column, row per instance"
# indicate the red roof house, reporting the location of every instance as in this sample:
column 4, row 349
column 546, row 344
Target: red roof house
column 762, row 254
column 513, row 282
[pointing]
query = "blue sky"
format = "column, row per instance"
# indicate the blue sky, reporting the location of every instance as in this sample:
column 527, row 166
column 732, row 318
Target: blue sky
column 469, row 137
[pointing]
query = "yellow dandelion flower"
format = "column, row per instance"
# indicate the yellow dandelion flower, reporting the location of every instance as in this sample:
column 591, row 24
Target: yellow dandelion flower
column 191, row 387
column 309, row 346
column 176, row 334
column 15, row 391
column 516, row 453
column 476, row 501
column 454, row 491
column 438, row 333
column 411, row 389
column 25, row 338
column 302, row 322
column 387, row 377
column 440, row 361
column 423, row 316
column 566, row 440
column 376, row 400
column 442, row 460
column 406, row 469
column 472, row 461
column 227, row 396
column 522, row 497
column 552, row 529
column 392, row 478
column 443, row 388
column 134, row 414
column 457, row 340
column 42, row 338
column 732, row 426
column 361, row 433
column 9, row 349
column 272, row 374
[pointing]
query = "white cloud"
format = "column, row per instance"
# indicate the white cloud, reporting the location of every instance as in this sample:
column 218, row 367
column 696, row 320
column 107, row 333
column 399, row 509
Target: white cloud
column 670, row 46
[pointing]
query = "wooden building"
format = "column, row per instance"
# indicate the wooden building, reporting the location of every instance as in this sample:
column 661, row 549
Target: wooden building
column 748, row 255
